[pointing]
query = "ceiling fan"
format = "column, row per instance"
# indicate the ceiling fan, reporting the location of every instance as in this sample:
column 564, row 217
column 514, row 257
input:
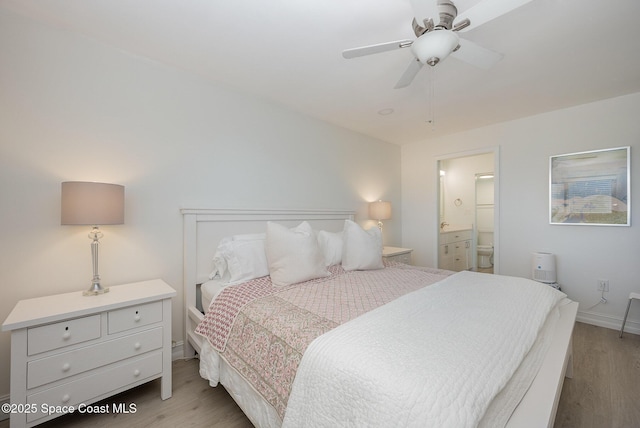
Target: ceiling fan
column 437, row 36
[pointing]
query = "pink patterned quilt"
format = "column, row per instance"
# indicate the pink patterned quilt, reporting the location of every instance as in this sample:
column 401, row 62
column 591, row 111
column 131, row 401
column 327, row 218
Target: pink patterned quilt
column 262, row 330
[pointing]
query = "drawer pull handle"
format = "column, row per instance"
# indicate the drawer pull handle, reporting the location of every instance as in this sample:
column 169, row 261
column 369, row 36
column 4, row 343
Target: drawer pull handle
column 136, row 318
column 66, row 398
column 66, row 367
column 66, row 335
column 137, row 346
column 136, row 373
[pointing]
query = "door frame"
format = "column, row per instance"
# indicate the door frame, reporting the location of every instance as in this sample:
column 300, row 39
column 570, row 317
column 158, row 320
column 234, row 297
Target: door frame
column 496, row 191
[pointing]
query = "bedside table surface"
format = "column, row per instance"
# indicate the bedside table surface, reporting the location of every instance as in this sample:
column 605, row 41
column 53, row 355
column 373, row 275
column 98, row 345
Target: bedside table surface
column 394, row 251
column 42, row 310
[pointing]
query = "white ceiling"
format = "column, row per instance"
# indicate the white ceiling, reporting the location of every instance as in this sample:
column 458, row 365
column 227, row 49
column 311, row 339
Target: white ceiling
column 557, row 53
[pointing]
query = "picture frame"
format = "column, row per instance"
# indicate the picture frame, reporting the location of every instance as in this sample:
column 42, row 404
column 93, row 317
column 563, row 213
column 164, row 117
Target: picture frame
column 591, row 188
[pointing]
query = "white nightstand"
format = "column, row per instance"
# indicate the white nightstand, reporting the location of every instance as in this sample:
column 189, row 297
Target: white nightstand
column 69, row 350
column 397, row 254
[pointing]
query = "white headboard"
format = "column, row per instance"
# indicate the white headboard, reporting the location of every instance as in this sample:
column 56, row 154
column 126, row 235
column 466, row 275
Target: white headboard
column 204, row 228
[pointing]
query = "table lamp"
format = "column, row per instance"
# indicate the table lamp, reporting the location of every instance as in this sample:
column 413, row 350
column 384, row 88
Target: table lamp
column 380, row 210
column 93, row 204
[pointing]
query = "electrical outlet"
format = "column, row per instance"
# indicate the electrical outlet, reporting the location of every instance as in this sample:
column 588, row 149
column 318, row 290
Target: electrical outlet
column 603, row 285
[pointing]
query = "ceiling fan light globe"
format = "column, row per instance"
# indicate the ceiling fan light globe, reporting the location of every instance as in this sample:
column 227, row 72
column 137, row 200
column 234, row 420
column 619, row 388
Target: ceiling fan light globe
column 434, row 46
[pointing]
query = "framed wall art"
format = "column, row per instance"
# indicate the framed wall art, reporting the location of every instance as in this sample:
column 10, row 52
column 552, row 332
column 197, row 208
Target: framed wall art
column 591, row 188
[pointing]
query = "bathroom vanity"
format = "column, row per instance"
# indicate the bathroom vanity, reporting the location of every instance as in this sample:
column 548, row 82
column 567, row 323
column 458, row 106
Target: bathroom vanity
column 455, row 248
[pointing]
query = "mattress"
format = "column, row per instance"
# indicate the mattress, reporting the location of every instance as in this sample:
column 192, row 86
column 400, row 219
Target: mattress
column 210, row 290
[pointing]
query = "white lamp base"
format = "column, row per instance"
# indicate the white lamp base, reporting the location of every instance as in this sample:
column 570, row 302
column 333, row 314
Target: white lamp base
column 95, row 288
column 94, row 291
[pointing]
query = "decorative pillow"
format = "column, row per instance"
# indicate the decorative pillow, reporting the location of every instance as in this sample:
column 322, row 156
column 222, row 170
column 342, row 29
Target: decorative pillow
column 362, row 249
column 331, row 247
column 293, row 254
column 240, row 258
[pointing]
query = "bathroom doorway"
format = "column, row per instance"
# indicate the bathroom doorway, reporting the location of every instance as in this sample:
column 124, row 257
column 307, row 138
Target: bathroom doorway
column 468, row 213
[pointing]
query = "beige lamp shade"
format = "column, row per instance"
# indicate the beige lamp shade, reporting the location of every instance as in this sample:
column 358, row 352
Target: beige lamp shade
column 91, row 203
column 380, row 210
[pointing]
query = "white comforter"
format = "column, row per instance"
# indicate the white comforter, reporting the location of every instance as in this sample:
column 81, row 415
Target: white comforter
column 432, row 358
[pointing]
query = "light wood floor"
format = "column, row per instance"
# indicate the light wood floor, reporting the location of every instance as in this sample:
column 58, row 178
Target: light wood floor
column 604, row 392
column 605, row 389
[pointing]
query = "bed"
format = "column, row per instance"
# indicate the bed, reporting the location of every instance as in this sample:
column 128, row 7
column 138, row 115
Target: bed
column 323, row 366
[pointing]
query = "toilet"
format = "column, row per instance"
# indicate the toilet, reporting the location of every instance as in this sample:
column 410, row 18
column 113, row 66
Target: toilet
column 485, row 248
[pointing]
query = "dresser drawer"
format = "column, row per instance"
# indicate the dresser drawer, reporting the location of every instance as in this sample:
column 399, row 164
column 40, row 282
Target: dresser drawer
column 449, row 237
column 134, row 316
column 56, row 367
column 65, row 333
column 87, row 389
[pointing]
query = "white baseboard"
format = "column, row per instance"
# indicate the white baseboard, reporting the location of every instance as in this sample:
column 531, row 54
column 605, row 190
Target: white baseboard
column 4, row 400
column 177, row 352
column 607, row 321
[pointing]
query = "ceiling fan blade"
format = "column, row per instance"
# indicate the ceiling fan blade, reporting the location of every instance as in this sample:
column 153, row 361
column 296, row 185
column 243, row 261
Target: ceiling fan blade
column 487, row 10
column 409, row 74
column 425, row 9
column 476, row 55
column 374, row 49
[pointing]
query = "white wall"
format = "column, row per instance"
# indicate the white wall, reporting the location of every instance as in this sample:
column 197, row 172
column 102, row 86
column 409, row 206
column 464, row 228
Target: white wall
column 584, row 253
column 74, row 109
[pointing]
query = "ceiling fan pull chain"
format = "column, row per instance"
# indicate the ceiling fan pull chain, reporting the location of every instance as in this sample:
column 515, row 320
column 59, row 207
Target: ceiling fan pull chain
column 432, row 95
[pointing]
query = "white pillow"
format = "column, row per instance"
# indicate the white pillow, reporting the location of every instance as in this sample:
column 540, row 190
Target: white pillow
column 293, row 254
column 362, row 249
column 219, row 262
column 331, row 247
column 240, row 258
